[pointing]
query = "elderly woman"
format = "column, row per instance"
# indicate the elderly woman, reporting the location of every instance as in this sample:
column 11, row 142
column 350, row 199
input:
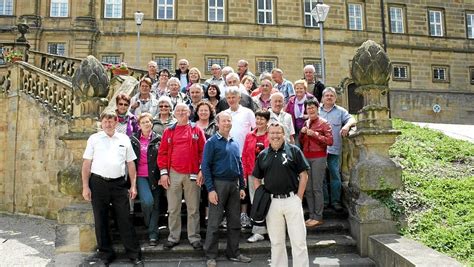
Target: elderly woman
column 212, row 94
column 127, row 122
column 144, row 100
column 174, row 94
column 247, row 81
column 315, row 137
column 204, row 118
column 165, row 117
column 145, row 144
column 194, row 77
column 161, row 87
column 255, row 142
column 295, row 106
column 262, row 100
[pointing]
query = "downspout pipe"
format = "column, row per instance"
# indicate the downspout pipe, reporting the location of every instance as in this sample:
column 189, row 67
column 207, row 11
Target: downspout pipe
column 384, row 43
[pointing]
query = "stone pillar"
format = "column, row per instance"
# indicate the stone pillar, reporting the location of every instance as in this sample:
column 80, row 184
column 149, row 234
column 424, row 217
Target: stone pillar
column 372, row 172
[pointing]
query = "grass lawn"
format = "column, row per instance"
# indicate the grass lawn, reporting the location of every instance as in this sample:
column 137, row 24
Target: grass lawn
column 438, row 195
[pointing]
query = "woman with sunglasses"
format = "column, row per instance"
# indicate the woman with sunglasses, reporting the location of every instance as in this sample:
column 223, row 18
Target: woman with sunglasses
column 165, row 117
column 127, row 122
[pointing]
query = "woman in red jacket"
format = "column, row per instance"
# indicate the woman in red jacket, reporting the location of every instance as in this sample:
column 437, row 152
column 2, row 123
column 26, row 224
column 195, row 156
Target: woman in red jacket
column 255, row 142
column 315, row 137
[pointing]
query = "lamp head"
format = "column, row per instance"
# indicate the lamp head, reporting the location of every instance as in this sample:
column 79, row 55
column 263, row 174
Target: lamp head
column 139, row 17
column 320, row 12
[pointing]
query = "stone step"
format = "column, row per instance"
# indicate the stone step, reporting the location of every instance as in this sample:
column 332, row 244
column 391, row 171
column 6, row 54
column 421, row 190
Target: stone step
column 323, row 244
column 350, row 259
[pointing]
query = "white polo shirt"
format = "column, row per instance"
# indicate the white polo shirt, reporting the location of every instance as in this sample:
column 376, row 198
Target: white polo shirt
column 109, row 154
column 243, row 120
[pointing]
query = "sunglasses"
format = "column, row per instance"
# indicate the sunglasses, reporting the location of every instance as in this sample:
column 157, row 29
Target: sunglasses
column 163, row 106
column 123, row 104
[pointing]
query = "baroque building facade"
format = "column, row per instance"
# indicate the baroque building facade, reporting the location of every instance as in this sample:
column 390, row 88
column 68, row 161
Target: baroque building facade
column 430, row 43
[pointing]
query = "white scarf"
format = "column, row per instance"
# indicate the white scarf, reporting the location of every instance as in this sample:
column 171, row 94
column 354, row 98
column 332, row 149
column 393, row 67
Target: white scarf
column 299, row 113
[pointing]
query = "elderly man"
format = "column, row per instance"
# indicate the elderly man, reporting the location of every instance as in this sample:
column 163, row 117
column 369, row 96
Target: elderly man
column 182, row 73
column 152, row 68
column 341, row 121
column 179, row 160
column 285, row 171
column 223, row 175
column 277, row 102
column 243, row 70
column 283, row 85
column 103, row 182
column 196, row 94
column 315, row 86
column 216, row 77
column 232, row 80
column 262, row 100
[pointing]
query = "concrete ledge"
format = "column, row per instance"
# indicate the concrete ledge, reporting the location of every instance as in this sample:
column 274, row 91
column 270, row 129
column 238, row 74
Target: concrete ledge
column 395, row 250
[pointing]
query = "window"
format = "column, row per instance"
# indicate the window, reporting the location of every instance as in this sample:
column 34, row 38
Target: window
column 400, row 72
column 355, row 17
column 112, row 59
column 308, row 19
column 6, row 7
column 265, row 64
column 265, row 11
column 59, row 8
column 57, row 49
column 165, row 9
column 316, row 63
column 470, row 25
column 436, row 22
column 113, row 9
column 440, row 73
column 396, row 20
column 210, row 60
column 216, row 10
column 471, row 73
column 165, row 62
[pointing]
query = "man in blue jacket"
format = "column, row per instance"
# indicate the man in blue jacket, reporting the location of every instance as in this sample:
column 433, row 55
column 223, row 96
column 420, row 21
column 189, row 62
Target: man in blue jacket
column 224, row 180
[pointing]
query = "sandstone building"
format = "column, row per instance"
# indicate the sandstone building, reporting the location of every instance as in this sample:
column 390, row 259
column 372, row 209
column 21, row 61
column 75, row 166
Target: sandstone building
column 431, row 43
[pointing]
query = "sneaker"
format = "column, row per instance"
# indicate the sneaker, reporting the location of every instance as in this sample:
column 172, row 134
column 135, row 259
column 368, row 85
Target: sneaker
column 245, row 220
column 240, row 258
column 169, row 245
column 255, row 238
column 197, row 245
column 224, row 223
column 153, row 242
column 337, row 207
column 211, row 263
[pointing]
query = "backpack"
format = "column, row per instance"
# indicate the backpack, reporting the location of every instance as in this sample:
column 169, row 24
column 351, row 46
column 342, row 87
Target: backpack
column 261, row 203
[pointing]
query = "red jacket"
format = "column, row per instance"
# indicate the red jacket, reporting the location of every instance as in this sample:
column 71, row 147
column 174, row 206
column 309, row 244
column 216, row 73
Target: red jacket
column 316, row 146
column 248, row 152
column 196, row 147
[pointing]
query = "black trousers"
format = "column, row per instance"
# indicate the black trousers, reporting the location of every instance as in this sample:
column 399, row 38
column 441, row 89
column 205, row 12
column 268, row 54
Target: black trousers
column 113, row 192
column 229, row 201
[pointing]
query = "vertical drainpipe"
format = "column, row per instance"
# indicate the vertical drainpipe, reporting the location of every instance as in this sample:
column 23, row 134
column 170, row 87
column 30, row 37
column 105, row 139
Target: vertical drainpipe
column 384, row 43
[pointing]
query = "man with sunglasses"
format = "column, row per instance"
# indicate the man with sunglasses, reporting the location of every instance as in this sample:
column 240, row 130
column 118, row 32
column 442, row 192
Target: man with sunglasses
column 285, row 171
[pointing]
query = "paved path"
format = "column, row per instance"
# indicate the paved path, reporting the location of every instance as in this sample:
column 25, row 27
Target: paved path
column 458, row 131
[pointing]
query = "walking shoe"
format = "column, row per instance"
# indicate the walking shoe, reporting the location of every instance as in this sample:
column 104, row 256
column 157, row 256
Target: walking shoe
column 224, row 223
column 245, row 220
column 314, row 223
column 153, row 242
column 211, row 263
column 255, row 238
column 240, row 258
column 337, row 207
column 137, row 262
column 197, row 245
column 169, row 245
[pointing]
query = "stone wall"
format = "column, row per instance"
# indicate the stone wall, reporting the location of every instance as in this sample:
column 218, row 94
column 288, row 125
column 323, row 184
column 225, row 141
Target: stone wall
column 32, row 157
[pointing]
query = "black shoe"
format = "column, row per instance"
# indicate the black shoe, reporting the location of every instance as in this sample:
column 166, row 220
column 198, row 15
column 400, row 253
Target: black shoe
column 137, row 262
column 153, row 242
column 240, row 258
column 169, row 245
column 197, row 245
column 337, row 207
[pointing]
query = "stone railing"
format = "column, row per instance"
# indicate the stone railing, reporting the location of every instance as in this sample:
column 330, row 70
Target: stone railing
column 66, row 66
column 5, row 81
column 49, row 90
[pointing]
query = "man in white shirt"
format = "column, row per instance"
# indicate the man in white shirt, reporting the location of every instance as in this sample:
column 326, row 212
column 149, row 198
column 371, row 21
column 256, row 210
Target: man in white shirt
column 103, row 182
column 277, row 102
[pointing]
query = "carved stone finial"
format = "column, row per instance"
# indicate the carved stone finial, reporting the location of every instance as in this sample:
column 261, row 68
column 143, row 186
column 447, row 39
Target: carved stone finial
column 23, row 29
column 371, row 65
column 90, row 83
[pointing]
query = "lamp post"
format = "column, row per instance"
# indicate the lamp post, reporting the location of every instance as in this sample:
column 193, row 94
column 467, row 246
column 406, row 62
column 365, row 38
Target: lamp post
column 319, row 13
column 138, row 20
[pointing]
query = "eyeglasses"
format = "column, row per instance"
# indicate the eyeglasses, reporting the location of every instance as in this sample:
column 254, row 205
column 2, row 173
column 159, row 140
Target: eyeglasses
column 123, row 104
column 164, row 75
column 265, row 85
column 164, row 106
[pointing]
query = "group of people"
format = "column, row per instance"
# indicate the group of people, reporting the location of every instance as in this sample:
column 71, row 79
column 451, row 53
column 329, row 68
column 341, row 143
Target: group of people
column 214, row 143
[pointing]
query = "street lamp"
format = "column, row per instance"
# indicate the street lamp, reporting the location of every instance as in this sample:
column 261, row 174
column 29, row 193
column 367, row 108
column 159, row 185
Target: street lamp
column 138, row 20
column 319, row 13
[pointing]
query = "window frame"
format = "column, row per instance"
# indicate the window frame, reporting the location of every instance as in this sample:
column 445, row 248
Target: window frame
column 312, row 61
column 471, row 74
column 402, row 17
column 441, row 22
column 207, row 66
column 155, row 58
column 362, row 13
column 114, row 16
column 216, row 8
column 308, row 13
column 165, row 6
column 446, row 73
column 5, row 4
column 265, row 59
column 119, row 55
column 265, row 10
column 408, row 74
column 470, row 13
column 59, row 2
column 57, row 43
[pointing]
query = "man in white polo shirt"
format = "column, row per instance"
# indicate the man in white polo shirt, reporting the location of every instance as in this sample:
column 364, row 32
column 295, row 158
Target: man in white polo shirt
column 103, row 183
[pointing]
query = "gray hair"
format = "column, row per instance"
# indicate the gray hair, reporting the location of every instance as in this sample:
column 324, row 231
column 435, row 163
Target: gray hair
column 330, row 89
column 272, row 96
column 196, row 85
column 311, row 67
column 165, row 99
column 173, row 80
column 228, row 69
column 232, row 90
column 232, row 75
column 224, row 112
column 277, row 70
column 265, row 76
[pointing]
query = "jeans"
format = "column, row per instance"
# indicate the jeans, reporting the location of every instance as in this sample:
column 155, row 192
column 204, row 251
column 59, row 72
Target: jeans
column 149, row 200
column 335, row 180
column 314, row 188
